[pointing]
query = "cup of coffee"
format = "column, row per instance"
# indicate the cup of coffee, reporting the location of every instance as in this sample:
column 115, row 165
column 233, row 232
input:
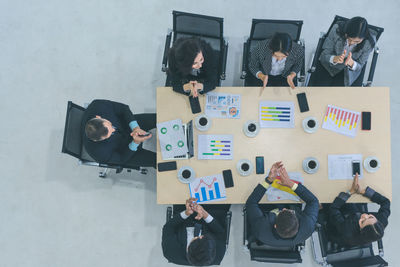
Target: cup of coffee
column 244, row 167
column 310, row 125
column 372, row 164
column 202, row 122
column 251, row 128
column 310, row 165
column 186, row 174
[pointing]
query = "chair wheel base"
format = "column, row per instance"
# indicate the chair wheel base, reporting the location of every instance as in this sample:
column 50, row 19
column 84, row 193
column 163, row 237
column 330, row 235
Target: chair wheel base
column 103, row 175
column 143, row 171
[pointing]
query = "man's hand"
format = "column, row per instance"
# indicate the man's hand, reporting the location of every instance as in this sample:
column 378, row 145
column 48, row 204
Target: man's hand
column 263, row 78
column 349, row 61
column 355, row 187
column 189, row 206
column 201, row 212
column 285, row 180
column 188, row 87
column 273, row 172
column 339, row 58
column 290, row 78
column 138, row 139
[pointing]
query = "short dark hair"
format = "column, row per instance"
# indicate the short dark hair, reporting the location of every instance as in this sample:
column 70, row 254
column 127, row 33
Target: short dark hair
column 281, row 42
column 356, row 27
column 287, row 224
column 95, row 129
column 202, row 251
column 372, row 232
column 182, row 54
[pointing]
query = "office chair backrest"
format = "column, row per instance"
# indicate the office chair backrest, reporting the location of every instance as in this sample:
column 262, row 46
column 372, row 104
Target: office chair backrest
column 207, row 28
column 265, row 28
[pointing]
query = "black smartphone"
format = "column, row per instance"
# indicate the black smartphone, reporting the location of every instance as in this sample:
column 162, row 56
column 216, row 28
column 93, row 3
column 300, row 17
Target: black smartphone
column 167, row 166
column 303, row 104
column 227, row 174
column 356, row 167
column 144, row 135
column 259, row 165
column 366, row 120
column 195, row 104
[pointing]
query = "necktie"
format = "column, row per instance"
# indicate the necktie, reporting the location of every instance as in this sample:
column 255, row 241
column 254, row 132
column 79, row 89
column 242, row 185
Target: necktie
column 197, row 228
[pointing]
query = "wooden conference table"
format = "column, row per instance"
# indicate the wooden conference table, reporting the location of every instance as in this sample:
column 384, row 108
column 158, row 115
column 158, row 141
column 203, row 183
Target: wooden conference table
column 289, row 145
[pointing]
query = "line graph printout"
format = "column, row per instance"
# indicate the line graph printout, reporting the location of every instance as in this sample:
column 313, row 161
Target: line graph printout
column 276, row 114
column 208, row 189
column 215, row 146
column 341, row 120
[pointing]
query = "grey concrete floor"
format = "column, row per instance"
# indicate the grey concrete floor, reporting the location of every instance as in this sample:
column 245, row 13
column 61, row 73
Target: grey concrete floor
column 55, row 213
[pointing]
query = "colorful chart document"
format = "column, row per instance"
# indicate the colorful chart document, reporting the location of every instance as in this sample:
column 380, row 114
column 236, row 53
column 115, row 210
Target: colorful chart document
column 341, row 167
column 275, row 114
column 215, row 146
column 341, row 120
column 279, row 192
column 208, row 189
column 172, row 139
column 220, row 105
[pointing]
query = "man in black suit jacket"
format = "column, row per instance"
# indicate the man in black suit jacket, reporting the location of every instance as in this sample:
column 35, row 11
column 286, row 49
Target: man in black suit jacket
column 113, row 135
column 284, row 228
column 179, row 242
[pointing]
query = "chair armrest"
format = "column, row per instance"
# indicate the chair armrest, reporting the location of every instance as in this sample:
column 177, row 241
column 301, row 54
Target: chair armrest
column 245, row 59
column 380, row 248
column 164, row 66
column 321, row 240
column 315, row 58
column 169, row 214
column 228, row 220
column 224, row 59
column 372, row 68
column 244, row 225
column 303, row 65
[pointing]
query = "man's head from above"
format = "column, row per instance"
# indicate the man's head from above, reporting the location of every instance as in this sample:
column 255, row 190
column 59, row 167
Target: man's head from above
column 286, row 223
column 98, row 129
column 202, row 250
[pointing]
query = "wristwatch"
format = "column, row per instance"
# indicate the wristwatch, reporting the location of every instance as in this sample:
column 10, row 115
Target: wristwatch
column 268, row 181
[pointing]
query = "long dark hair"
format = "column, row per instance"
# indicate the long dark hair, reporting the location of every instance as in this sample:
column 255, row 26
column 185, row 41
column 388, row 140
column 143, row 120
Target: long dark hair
column 281, row 42
column 356, row 27
column 367, row 234
column 182, row 54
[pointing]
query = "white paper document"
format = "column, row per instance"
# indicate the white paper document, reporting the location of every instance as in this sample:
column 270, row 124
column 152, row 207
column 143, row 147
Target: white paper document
column 275, row 194
column 208, row 189
column 276, row 114
column 215, row 146
column 341, row 120
column 221, row 105
column 172, row 139
column 340, row 166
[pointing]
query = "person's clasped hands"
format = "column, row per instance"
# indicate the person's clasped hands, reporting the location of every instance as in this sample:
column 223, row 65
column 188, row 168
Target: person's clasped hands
column 194, row 87
column 277, row 169
column 341, row 59
column 355, row 187
column 138, row 135
column 192, row 206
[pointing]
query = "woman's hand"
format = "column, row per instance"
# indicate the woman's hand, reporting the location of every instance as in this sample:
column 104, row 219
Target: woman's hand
column 339, row 58
column 263, row 78
column 290, row 78
column 349, row 61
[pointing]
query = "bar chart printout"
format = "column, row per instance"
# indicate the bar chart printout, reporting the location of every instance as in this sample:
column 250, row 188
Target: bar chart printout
column 208, row 189
column 341, row 120
column 215, row 147
column 276, row 114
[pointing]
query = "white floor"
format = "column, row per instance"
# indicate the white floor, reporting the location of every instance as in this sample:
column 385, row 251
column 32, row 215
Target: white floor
column 55, row 213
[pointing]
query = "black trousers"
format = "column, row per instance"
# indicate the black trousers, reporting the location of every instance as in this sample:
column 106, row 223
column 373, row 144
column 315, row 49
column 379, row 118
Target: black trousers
column 273, row 81
column 143, row 157
column 321, row 77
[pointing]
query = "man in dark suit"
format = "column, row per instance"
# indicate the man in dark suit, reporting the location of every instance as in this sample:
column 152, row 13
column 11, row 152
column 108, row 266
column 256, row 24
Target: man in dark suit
column 113, row 135
column 195, row 236
column 284, row 227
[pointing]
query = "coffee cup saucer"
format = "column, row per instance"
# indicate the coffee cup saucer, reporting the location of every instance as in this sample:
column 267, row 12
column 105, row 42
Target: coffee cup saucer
column 370, row 169
column 186, row 180
column 308, row 129
column 200, row 127
column 246, row 128
column 308, row 169
column 242, row 172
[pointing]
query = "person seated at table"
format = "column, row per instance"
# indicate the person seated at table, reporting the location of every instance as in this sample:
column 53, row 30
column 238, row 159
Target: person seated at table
column 192, row 67
column 281, row 227
column 276, row 62
column 113, row 135
column 196, row 235
column 348, row 226
column 344, row 53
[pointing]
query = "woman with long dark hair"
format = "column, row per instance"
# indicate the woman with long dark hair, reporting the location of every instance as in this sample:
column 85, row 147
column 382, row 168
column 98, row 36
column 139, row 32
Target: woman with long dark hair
column 348, row 226
column 344, row 53
column 276, row 61
column 192, row 67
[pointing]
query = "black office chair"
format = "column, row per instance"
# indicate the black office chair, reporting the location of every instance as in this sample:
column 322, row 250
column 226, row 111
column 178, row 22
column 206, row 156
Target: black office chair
column 265, row 253
column 207, row 28
column 72, row 142
column 316, row 65
column 228, row 219
column 328, row 253
column 262, row 29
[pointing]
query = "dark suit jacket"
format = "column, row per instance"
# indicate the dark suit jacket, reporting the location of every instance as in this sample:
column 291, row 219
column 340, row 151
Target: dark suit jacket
column 261, row 59
column 115, row 149
column 208, row 72
column 344, row 222
column 262, row 225
column 174, row 239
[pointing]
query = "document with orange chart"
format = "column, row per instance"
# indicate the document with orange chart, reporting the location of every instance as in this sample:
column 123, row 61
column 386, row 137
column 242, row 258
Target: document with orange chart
column 208, row 189
column 341, row 120
column 276, row 114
